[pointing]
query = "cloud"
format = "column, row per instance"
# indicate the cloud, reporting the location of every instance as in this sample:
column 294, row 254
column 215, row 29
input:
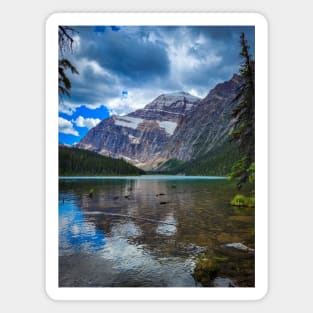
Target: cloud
column 135, row 99
column 92, row 87
column 127, row 54
column 201, row 57
column 67, row 107
column 86, row 122
column 124, row 68
column 66, row 127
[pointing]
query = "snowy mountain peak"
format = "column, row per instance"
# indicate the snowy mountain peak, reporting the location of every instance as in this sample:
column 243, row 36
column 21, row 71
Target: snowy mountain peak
column 174, row 100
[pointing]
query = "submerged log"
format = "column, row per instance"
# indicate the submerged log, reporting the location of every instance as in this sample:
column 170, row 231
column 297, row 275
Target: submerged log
column 238, row 246
column 160, row 194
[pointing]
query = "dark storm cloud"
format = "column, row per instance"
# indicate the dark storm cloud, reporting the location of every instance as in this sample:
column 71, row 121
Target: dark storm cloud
column 208, row 45
column 126, row 54
column 135, row 64
column 225, row 37
column 92, row 85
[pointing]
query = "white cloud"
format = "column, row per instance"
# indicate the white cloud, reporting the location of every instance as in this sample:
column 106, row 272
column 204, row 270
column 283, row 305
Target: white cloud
column 66, row 127
column 137, row 98
column 197, row 93
column 86, row 122
column 93, row 106
column 183, row 62
column 68, row 107
column 83, row 64
column 76, row 43
column 190, row 57
column 126, row 105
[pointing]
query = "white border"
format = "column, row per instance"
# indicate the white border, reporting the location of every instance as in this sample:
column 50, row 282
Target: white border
column 261, row 138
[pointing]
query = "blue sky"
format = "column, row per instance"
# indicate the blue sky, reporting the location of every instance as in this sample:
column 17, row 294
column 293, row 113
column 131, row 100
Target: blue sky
column 122, row 69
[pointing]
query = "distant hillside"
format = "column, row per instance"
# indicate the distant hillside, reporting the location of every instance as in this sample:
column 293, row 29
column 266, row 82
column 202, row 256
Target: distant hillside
column 78, row 162
column 217, row 162
column 170, row 165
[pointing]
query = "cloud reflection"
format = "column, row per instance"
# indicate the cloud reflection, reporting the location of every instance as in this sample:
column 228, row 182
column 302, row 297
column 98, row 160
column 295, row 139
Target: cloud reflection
column 76, row 234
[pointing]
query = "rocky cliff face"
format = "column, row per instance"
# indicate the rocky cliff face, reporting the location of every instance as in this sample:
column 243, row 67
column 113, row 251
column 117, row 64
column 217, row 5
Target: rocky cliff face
column 140, row 136
column 173, row 126
column 207, row 125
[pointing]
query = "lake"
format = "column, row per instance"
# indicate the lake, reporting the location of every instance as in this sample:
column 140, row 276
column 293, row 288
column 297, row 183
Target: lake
column 150, row 231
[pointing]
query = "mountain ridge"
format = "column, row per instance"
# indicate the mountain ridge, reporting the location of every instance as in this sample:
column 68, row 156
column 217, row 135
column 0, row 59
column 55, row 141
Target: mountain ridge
column 208, row 125
column 139, row 136
column 172, row 126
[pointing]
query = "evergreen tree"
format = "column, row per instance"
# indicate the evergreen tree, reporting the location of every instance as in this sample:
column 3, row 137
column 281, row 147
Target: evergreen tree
column 243, row 115
column 66, row 42
column 64, row 82
column 74, row 161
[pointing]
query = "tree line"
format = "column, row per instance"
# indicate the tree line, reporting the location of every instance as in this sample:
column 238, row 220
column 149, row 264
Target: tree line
column 78, row 162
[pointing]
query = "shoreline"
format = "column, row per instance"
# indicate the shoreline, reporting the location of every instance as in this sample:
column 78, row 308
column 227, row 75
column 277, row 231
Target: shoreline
column 146, row 177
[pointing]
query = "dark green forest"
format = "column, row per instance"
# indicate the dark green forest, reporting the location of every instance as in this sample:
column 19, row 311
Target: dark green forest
column 217, row 162
column 170, row 166
column 78, row 162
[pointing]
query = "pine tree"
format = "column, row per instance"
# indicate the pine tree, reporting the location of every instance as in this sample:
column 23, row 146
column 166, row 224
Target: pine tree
column 243, row 115
column 66, row 42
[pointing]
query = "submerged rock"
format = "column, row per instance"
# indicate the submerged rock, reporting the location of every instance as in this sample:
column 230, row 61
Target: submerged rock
column 193, row 248
column 238, row 246
column 206, row 271
column 223, row 282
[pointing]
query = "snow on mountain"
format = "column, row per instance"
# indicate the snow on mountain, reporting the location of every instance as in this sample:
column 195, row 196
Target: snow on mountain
column 175, row 100
column 169, row 126
column 128, row 121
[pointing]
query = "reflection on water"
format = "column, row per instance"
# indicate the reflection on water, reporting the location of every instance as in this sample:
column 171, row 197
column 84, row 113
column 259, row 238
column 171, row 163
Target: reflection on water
column 148, row 232
column 76, row 234
column 168, row 226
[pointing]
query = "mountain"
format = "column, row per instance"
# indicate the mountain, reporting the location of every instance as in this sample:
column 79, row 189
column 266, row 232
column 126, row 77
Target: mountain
column 74, row 162
column 176, row 132
column 140, row 136
column 207, row 125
